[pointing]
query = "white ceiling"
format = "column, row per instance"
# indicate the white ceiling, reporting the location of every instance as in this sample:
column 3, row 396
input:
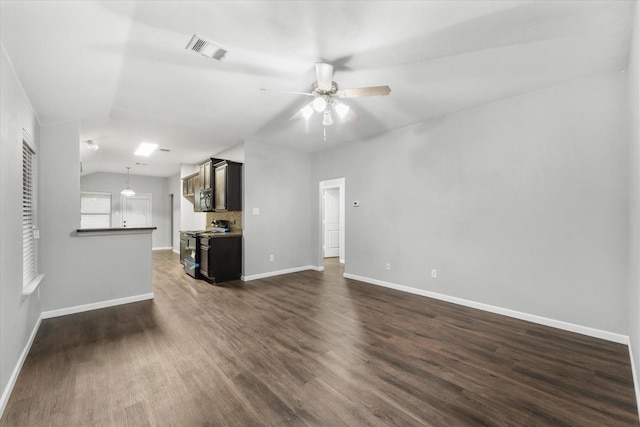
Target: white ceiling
column 121, row 67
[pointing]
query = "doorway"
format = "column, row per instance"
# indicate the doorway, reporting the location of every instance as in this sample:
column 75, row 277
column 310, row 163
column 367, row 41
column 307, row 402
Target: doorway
column 332, row 218
column 136, row 210
column 171, row 219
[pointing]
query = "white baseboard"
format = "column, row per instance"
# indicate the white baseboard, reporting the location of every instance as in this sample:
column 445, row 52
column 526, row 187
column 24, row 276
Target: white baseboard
column 6, row 393
column 584, row 330
column 280, row 272
column 634, row 372
column 162, row 248
column 96, row 305
column 177, row 251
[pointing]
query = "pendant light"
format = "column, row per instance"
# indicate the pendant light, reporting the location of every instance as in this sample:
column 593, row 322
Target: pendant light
column 128, row 192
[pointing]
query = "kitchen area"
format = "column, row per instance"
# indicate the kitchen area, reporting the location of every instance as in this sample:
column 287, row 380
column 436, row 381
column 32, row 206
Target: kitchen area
column 214, row 254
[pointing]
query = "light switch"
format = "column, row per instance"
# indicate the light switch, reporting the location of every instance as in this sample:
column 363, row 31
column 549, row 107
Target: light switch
column 256, row 211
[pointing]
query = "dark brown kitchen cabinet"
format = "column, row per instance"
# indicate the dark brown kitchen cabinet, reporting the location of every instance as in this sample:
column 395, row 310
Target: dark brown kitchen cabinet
column 206, row 174
column 227, row 191
column 221, row 258
column 206, row 187
column 190, row 190
column 216, row 187
column 190, row 184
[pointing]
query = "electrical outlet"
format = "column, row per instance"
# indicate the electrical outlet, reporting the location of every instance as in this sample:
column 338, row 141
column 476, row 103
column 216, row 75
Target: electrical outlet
column 434, row 273
column 272, row 257
column 388, row 266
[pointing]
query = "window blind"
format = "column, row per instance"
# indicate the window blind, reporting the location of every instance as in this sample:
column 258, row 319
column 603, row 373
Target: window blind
column 29, row 268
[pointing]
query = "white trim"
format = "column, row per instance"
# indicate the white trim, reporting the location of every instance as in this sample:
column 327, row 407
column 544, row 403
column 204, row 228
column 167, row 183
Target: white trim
column 176, row 251
column 163, row 248
column 340, row 184
column 32, row 286
column 96, row 305
column 280, row 272
column 139, row 196
column 634, row 373
column 6, row 393
column 584, row 330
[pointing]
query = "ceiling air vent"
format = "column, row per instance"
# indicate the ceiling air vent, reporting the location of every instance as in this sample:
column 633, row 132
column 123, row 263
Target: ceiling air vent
column 206, row 48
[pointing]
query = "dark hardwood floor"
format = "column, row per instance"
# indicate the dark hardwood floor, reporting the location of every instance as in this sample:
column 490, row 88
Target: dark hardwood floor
column 312, row 349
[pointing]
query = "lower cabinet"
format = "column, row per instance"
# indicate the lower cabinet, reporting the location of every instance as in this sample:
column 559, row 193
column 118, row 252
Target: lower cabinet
column 221, row 258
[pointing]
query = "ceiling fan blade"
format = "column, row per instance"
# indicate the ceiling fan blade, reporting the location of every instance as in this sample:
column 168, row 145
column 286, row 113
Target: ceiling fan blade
column 324, row 73
column 287, row 91
column 364, row 91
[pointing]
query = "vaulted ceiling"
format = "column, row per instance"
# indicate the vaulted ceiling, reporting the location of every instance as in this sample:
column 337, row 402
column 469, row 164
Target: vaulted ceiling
column 122, row 70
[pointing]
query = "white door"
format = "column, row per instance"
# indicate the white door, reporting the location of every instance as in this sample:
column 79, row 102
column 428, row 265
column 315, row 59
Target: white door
column 136, row 210
column 331, row 222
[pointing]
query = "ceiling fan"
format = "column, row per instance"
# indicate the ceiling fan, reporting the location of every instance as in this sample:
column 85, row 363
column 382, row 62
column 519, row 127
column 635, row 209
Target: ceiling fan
column 326, row 97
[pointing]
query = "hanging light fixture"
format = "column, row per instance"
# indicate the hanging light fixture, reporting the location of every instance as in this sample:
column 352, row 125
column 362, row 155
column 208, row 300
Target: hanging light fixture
column 128, row 192
column 319, row 104
column 307, row 111
column 341, row 109
column 327, row 120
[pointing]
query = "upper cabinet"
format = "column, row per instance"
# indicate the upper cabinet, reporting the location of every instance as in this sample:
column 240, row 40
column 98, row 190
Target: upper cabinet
column 206, row 174
column 191, row 190
column 216, row 187
column 190, row 185
column 228, row 186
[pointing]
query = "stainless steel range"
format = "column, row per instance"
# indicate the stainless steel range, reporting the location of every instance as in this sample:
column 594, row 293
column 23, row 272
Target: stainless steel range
column 189, row 252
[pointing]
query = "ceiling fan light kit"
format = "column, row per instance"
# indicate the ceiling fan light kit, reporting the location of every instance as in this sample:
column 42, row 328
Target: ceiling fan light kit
column 307, row 111
column 341, row 109
column 327, row 120
column 326, row 96
column 319, row 104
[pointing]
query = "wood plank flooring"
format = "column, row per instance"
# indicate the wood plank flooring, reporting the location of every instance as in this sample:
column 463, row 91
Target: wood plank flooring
column 312, row 349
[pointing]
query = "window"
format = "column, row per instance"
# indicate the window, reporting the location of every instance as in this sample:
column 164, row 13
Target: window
column 30, row 278
column 95, row 210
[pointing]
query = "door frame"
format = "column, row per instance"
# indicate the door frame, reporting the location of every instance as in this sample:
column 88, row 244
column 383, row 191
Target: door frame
column 140, row 196
column 340, row 184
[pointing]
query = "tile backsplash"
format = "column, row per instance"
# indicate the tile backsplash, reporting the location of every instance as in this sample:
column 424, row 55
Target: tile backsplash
column 234, row 218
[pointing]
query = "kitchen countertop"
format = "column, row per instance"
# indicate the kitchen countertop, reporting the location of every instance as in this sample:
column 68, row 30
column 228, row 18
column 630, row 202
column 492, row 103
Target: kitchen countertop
column 113, row 230
column 217, row 234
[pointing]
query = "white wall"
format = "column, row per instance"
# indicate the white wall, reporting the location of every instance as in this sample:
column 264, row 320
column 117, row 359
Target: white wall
column 156, row 186
column 175, row 188
column 190, row 220
column 18, row 316
column 235, row 154
column 81, row 270
column 634, row 196
column 277, row 182
column 520, row 204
